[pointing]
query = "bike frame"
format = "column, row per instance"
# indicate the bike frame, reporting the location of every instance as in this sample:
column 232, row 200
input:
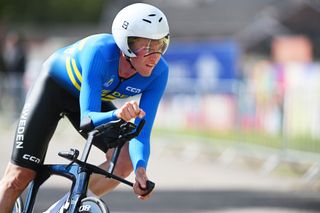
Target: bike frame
column 78, row 171
column 78, row 189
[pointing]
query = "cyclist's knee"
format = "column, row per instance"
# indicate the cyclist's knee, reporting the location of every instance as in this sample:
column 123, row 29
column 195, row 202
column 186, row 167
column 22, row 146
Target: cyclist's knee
column 124, row 168
column 16, row 178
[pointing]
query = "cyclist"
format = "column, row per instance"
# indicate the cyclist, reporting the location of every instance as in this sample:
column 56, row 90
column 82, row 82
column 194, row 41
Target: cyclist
column 80, row 81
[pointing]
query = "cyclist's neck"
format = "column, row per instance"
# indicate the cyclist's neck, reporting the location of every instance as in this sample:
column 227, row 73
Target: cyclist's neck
column 125, row 68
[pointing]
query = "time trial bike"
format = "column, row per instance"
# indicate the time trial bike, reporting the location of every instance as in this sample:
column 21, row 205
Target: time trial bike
column 115, row 134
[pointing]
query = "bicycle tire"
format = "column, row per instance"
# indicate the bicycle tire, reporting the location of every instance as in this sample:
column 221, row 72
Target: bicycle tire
column 92, row 205
column 18, row 206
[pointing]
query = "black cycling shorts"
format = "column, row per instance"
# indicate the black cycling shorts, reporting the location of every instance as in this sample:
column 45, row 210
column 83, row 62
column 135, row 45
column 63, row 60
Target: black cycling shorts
column 46, row 103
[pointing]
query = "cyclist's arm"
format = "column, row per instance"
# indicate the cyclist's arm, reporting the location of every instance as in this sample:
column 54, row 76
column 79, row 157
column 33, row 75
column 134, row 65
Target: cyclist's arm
column 139, row 148
column 90, row 94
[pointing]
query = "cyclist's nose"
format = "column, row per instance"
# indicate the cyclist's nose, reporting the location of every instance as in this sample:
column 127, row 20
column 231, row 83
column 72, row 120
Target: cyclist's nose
column 154, row 58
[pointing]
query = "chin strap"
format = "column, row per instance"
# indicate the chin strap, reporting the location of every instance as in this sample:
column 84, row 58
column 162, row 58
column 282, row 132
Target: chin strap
column 129, row 61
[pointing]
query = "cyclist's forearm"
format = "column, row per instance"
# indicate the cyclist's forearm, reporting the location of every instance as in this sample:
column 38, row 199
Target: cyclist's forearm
column 139, row 153
column 98, row 118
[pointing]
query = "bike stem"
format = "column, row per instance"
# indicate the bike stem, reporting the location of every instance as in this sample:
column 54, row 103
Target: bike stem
column 114, row 159
column 87, row 148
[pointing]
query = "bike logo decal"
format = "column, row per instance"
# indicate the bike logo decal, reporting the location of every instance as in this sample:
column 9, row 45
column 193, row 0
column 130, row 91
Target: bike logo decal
column 84, row 208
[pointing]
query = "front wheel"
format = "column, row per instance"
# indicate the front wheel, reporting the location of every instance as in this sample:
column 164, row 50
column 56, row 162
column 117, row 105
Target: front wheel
column 92, row 205
column 18, row 206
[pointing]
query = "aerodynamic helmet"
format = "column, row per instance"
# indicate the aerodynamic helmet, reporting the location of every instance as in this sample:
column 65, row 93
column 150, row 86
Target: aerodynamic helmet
column 140, row 20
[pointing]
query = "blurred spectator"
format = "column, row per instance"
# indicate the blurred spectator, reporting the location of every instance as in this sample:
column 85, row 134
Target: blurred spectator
column 14, row 64
column 2, row 75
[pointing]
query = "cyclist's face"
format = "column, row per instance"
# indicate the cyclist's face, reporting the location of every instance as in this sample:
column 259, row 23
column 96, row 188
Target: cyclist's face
column 148, row 53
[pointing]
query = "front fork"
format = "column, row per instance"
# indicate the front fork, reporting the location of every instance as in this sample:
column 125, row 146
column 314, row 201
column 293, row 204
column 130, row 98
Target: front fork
column 78, row 176
column 78, row 191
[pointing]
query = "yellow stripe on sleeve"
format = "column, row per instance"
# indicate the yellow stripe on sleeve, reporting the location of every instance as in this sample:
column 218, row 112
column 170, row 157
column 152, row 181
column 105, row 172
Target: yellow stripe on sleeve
column 70, row 74
column 76, row 70
column 109, row 98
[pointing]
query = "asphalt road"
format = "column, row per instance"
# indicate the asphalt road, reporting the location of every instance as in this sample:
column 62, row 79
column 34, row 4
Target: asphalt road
column 175, row 201
column 187, row 180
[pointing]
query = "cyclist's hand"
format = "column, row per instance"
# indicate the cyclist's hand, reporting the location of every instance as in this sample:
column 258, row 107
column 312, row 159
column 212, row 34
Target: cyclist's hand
column 140, row 185
column 129, row 111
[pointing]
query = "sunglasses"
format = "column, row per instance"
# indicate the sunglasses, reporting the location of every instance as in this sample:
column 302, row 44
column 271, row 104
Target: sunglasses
column 145, row 47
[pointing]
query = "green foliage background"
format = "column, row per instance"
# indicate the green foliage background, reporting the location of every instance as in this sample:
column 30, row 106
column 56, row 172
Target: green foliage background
column 51, row 11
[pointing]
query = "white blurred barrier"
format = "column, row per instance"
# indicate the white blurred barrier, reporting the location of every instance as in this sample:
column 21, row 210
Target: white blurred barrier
column 283, row 125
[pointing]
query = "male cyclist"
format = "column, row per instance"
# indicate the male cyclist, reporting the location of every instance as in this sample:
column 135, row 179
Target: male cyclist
column 80, row 81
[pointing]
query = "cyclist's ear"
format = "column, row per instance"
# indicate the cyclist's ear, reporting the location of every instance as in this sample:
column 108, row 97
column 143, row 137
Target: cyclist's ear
column 86, row 124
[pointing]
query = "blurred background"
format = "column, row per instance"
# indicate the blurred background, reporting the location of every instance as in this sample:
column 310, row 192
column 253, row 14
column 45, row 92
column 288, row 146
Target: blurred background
column 243, row 93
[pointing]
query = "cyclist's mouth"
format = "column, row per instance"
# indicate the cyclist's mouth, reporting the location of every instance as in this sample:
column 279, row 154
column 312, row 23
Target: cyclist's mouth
column 150, row 65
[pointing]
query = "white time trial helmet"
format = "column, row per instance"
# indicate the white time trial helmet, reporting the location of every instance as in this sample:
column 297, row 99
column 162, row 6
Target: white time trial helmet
column 140, row 20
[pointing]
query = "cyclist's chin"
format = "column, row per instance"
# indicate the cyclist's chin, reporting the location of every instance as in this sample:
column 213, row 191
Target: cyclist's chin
column 146, row 72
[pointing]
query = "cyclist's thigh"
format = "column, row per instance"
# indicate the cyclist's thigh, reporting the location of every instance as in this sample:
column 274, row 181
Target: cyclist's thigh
column 37, row 123
column 73, row 114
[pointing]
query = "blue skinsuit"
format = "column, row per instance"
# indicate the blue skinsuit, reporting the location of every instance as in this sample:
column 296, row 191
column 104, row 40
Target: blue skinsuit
column 89, row 69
